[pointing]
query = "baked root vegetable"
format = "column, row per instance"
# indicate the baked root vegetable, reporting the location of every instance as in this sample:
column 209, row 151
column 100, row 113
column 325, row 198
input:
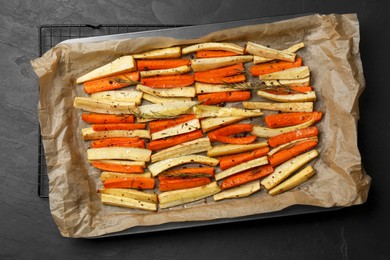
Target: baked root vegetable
column 228, row 149
column 288, row 153
column 222, row 80
column 119, row 153
column 123, row 162
column 273, row 66
column 293, row 181
column 223, row 134
column 170, row 92
column 118, row 141
column 182, row 128
column 104, row 176
column 130, row 183
column 304, row 97
column 284, row 170
column 263, row 51
column 291, row 144
column 164, row 111
column 159, row 125
column 290, row 119
column 287, row 82
column 212, row 123
column 207, row 46
column 202, row 111
column 165, row 53
column 291, row 73
column 265, row 132
column 186, row 148
column 293, row 135
column 93, row 118
column 123, row 201
column 133, row 194
column 214, row 63
column 246, row 176
column 229, row 161
column 226, row 71
column 293, row 48
column 165, row 72
column 282, row 107
column 112, row 167
column 105, row 106
column 223, row 97
column 181, row 183
column 90, row 134
column 241, row 167
column 170, row 81
column 159, row 167
column 179, row 197
column 162, row 100
column 282, row 90
column 214, row 54
column 238, row 192
column 107, row 127
column 120, row 95
column 188, row 173
column 120, row 65
column 158, row 64
column 111, row 83
column 204, row 88
column 174, row 140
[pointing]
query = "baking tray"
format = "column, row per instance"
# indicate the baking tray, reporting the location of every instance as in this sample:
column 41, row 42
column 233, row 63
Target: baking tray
column 187, row 32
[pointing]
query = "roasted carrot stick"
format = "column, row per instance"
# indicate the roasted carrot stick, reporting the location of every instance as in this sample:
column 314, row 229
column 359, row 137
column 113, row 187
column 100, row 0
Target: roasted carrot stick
column 118, row 141
column 236, row 140
column 281, row 91
column 214, row 54
column 289, row 119
column 285, row 155
column 110, row 167
column 246, row 176
column 221, row 72
column 230, row 130
column 106, row 127
column 161, row 64
column 174, row 140
column 171, row 81
column 180, row 183
column 273, row 66
column 159, row 125
column 221, row 80
column 222, row 97
column 233, row 160
column 107, row 119
column 188, row 173
column 291, row 136
column 110, row 83
column 130, row 183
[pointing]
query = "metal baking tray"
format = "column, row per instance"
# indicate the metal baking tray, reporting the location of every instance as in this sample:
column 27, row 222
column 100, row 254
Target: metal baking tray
column 187, row 32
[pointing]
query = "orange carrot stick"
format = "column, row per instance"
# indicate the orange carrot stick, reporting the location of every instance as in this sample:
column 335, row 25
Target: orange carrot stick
column 110, row 83
column 161, row 64
column 221, row 80
column 222, row 97
column 222, row 72
column 236, row 140
column 284, row 155
column 130, row 183
column 230, row 130
column 188, row 173
column 107, row 119
column 180, row 183
column 289, row 119
column 229, row 161
column 246, row 176
column 118, row 141
column 171, row 81
column 106, row 127
column 174, row 140
column 159, row 125
column 118, row 167
column 214, row 54
column 273, row 66
column 294, row 135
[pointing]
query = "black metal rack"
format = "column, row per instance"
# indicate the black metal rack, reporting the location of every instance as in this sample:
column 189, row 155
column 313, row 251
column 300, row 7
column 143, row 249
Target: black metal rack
column 49, row 36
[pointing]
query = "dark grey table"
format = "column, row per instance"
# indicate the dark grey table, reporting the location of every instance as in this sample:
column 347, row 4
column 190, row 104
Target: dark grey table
column 27, row 230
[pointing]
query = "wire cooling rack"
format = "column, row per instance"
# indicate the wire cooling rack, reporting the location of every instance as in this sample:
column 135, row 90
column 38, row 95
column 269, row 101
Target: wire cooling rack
column 49, row 36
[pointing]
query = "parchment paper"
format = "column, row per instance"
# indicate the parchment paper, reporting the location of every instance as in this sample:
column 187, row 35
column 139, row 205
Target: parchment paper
column 332, row 52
